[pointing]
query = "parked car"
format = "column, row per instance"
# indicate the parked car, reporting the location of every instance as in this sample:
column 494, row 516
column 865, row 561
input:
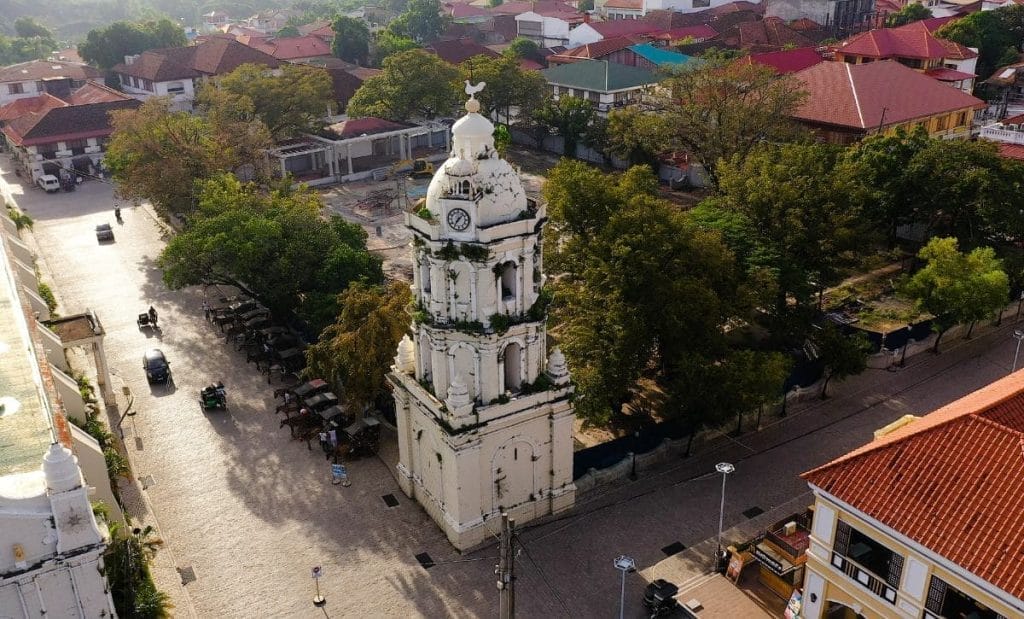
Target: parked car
column 158, row 369
column 48, row 183
column 104, row 233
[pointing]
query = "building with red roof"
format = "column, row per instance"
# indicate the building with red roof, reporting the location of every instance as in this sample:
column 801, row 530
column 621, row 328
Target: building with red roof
column 770, row 34
column 623, row 9
column 592, row 32
column 460, row 50
column 25, row 79
column 175, row 71
column 291, row 49
column 786, row 61
column 686, row 34
column 926, row 519
column 915, row 46
column 605, row 49
column 62, row 128
column 846, row 102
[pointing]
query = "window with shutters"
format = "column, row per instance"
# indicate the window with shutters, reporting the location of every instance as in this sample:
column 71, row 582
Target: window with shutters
column 945, row 601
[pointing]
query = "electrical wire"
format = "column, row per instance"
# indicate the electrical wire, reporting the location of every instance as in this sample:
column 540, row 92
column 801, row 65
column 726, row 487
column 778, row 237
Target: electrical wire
column 543, row 578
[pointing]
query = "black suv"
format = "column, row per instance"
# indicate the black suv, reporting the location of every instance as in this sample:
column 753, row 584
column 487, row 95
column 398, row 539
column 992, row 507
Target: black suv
column 158, row 369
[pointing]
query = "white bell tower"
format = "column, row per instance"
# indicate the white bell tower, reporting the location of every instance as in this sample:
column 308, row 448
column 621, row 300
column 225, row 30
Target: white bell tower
column 484, row 418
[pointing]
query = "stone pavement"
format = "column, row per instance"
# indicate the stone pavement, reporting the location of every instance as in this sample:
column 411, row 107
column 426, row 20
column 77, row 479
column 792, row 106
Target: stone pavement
column 248, row 511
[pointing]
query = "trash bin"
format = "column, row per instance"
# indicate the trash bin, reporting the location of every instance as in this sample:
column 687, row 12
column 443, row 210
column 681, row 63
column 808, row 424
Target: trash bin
column 721, row 561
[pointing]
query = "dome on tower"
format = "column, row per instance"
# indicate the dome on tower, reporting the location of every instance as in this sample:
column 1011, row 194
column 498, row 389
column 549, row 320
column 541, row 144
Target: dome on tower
column 475, row 172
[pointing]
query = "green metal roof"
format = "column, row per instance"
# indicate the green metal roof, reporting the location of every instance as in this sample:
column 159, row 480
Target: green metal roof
column 660, row 55
column 25, row 433
column 599, row 76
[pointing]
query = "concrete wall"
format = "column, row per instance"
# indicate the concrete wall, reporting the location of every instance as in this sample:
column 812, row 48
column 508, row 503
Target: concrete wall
column 94, row 469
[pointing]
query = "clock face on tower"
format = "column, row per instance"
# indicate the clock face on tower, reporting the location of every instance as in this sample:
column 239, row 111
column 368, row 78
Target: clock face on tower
column 458, row 219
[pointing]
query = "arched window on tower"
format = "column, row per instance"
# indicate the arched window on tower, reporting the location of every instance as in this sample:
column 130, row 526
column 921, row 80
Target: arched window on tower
column 508, row 281
column 511, row 359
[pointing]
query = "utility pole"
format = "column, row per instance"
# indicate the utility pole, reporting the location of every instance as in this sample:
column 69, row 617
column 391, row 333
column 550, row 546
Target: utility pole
column 506, row 569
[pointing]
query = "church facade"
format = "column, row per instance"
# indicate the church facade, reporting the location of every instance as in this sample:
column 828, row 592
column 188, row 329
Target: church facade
column 484, row 415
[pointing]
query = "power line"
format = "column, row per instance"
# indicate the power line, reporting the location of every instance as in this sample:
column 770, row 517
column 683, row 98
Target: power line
column 543, row 578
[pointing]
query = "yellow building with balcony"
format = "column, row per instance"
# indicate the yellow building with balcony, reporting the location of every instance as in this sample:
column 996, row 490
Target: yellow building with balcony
column 927, row 520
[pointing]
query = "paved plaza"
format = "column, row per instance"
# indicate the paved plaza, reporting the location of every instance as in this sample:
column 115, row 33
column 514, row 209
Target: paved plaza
column 248, row 512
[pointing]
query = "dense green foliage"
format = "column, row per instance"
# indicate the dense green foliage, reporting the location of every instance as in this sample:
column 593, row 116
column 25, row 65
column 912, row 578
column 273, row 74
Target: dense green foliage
column 275, row 244
column 422, row 21
column 108, row 46
column 910, row 13
column 351, row 40
column 413, row 84
column 998, row 35
column 31, row 40
column 358, row 349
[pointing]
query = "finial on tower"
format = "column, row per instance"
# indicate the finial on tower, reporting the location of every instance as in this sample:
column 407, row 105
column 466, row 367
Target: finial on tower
column 472, row 105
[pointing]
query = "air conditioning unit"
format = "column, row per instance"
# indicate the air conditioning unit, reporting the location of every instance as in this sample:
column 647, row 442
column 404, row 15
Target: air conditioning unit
column 789, row 528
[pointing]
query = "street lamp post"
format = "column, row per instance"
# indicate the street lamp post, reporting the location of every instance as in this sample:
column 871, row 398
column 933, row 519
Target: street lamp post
column 1019, row 336
column 724, row 468
column 624, row 564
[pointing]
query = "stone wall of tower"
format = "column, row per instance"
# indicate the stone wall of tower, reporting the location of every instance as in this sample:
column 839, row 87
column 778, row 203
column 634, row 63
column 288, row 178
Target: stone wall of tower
column 483, row 412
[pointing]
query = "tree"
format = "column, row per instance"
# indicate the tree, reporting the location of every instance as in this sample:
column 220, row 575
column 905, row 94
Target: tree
column 717, row 111
column 956, row 287
column 841, row 355
column 351, row 40
column 159, row 155
column 757, row 378
column 276, row 245
column 991, row 32
column 910, row 13
column 801, row 209
column 387, row 44
column 639, row 284
column 359, row 348
column 569, row 117
column 288, row 31
column 508, row 86
column 28, row 27
column 524, row 49
column 881, row 162
column 108, row 46
column 413, row 84
column 636, row 136
column 422, row 21
column 292, row 102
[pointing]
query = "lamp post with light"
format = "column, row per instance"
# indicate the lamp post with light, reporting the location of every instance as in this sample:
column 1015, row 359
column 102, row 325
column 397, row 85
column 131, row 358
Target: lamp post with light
column 724, row 468
column 624, row 564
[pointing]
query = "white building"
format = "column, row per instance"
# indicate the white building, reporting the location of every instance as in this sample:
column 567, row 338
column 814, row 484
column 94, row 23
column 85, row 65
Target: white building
column 546, row 31
column 51, row 547
column 29, row 79
column 484, row 418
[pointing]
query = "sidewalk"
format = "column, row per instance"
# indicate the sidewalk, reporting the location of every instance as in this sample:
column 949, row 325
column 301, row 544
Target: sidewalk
column 679, row 503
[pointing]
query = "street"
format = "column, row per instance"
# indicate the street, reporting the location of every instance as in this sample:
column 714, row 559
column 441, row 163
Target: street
column 249, row 512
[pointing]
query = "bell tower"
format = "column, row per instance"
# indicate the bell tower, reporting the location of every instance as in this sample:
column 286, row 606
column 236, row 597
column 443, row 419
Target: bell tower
column 483, row 412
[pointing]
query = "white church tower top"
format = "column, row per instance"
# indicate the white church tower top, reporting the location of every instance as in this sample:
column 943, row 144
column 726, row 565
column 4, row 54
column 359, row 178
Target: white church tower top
column 475, row 173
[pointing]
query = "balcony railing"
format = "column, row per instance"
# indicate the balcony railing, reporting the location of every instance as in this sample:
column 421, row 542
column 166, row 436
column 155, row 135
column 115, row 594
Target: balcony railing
column 865, row 578
column 783, row 544
column 1002, row 135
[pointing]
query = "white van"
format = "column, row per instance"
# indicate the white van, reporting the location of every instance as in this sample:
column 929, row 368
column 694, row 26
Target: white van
column 48, row 183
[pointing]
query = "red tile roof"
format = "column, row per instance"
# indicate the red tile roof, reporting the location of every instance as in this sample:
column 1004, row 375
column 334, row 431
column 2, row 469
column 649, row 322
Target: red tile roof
column 804, row 23
column 786, row 61
column 636, row 5
column 595, row 51
column 66, row 122
column 934, row 23
column 458, row 51
column 913, row 40
column 700, row 33
column 290, row 48
column 355, row 127
column 215, row 56
column 468, row 10
column 1011, row 151
column 517, row 7
column 622, row 27
column 770, row 32
column 28, row 105
column 848, row 95
column 948, row 75
column 94, row 92
column 35, row 70
column 952, row 481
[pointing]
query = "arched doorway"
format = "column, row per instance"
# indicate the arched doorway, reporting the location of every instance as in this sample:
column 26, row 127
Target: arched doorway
column 838, row 610
column 511, row 359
